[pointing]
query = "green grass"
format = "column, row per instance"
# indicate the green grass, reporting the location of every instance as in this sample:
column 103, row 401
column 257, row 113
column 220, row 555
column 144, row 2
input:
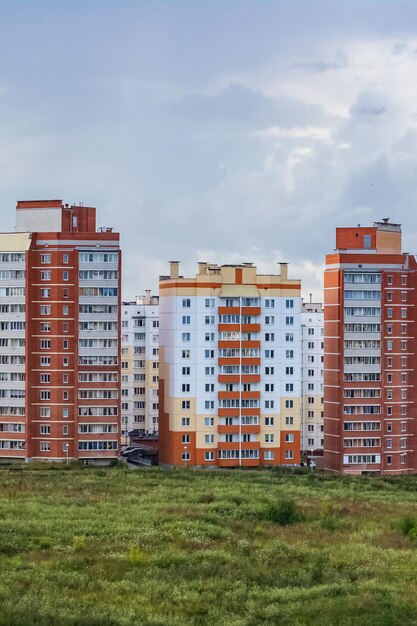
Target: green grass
column 241, row 548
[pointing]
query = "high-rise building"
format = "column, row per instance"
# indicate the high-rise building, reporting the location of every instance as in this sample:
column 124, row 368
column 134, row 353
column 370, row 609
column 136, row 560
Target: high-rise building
column 229, row 367
column 370, row 353
column 59, row 335
column 312, row 349
column 140, row 365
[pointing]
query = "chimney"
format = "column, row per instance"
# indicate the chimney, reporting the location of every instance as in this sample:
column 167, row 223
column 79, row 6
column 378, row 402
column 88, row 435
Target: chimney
column 283, row 271
column 202, row 267
column 174, row 269
column 147, row 296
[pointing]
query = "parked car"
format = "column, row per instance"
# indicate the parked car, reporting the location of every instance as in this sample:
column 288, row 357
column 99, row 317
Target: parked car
column 129, row 450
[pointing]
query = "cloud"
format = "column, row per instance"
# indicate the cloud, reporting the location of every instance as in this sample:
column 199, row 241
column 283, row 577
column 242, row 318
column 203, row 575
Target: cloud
column 237, row 104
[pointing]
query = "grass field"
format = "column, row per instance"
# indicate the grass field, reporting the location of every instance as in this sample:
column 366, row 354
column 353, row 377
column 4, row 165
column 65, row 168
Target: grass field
column 152, row 547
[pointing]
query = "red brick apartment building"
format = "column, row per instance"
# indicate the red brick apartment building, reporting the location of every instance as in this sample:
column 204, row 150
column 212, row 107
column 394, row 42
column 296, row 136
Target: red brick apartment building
column 370, row 353
column 59, row 335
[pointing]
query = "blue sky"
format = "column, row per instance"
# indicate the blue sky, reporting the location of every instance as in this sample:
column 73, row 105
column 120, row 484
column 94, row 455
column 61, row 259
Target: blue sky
column 217, row 131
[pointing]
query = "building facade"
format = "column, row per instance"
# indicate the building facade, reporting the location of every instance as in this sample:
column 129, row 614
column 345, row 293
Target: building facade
column 230, row 371
column 312, row 351
column 370, row 353
column 59, row 335
column 140, row 366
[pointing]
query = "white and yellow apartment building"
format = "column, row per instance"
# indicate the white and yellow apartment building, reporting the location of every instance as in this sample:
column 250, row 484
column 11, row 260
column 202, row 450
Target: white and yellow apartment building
column 312, row 350
column 140, row 365
column 230, row 367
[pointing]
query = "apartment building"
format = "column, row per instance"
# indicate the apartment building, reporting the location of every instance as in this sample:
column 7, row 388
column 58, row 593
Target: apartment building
column 230, row 371
column 59, row 335
column 312, row 407
column 140, row 365
column 370, row 353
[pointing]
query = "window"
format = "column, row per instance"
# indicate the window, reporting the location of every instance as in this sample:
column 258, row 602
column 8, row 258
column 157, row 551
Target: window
column 389, row 296
column 209, row 421
column 186, row 404
column 45, row 429
column 403, row 280
column 289, row 421
column 45, row 361
column 290, row 336
column 289, row 371
column 186, row 303
column 185, row 387
column 389, row 459
column 269, row 438
column 289, row 438
column 389, row 329
column 65, row 276
column 209, row 303
column 289, row 354
column 186, row 319
column 289, row 320
column 289, row 304
column 389, row 280
column 185, row 354
column 208, row 438
column 185, row 439
column 45, row 309
column 65, row 310
column 44, row 411
column 45, row 378
column 403, row 313
column 289, row 404
column 269, row 336
column 186, row 336
column 185, row 421
column 389, row 312
column 44, row 446
column 269, row 455
column 45, row 275
column 65, row 361
column 45, row 258
column 269, row 421
column 367, row 241
column 289, row 387
column 209, row 456
column 186, row 371
column 65, row 259
column 45, row 327
column 45, row 293
column 289, row 454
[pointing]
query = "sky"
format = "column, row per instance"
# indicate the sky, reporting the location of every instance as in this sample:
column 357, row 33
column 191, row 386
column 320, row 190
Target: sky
column 224, row 131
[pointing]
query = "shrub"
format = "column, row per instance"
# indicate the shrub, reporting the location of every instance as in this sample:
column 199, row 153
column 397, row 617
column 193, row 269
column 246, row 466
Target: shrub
column 45, row 543
column 79, row 542
column 284, row 512
column 206, row 498
column 408, row 526
column 135, row 555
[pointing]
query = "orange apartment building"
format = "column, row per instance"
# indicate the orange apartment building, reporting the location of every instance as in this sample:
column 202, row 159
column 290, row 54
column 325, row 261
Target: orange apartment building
column 370, row 353
column 59, row 335
column 229, row 386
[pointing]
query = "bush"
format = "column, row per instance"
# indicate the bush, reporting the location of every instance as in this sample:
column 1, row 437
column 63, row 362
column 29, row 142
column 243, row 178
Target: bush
column 45, row 543
column 284, row 512
column 135, row 555
column 408, row 526
column 79, row 542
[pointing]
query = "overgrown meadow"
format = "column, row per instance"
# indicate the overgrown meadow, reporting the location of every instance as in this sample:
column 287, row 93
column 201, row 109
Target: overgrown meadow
column 241, row 548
